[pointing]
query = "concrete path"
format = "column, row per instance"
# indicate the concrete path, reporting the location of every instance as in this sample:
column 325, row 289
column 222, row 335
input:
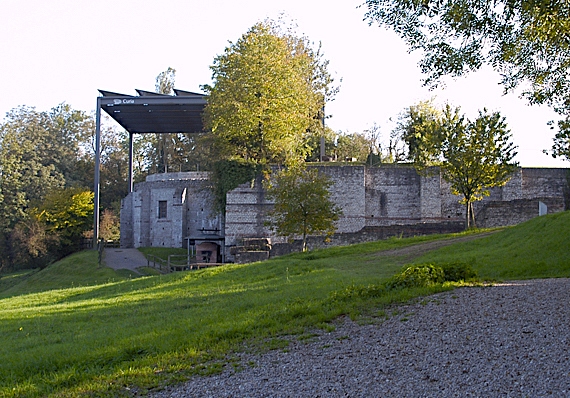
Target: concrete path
column 130, row 259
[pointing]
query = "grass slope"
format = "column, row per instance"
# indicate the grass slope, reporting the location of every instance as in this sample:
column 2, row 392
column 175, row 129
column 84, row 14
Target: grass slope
column 539, row 248
column 79, row 269
column 112, row 336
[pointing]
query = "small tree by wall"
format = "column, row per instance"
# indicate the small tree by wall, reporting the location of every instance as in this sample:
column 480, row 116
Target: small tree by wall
column 302, row 203
column 477, row 155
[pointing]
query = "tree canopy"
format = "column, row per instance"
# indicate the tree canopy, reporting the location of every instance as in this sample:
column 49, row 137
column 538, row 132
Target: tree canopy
column 473, row 156
column 419, row 128
column 41, row 153
column 477, row 155
column 526, row 41
column 269, row 89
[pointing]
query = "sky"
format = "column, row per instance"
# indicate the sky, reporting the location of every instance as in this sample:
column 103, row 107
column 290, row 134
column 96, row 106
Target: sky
column 65, row 50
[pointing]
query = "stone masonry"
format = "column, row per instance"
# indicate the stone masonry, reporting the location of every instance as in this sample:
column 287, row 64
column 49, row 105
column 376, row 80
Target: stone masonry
column 173, row 209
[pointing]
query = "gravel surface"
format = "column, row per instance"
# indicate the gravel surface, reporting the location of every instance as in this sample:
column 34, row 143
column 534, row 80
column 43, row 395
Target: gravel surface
column 508, row 340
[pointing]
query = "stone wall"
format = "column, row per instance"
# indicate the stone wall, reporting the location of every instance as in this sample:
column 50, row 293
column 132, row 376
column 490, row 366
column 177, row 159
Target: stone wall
column 377, row 202
column 394, row 200
column 187, row 212
column 393, row 195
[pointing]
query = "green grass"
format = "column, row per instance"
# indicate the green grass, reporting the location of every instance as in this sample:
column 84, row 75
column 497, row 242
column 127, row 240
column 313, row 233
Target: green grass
column 74, row 329
column 163, row 252
column 80, row 269
column 539, row 248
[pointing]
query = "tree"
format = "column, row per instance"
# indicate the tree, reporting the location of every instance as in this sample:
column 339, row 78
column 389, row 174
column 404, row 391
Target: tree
column 302, row 203
column 526, row 41
column 269, row 90
column 473, row 156
column 67, row 213
column 476, row 155
column 109, row 228
column 70, row 131
column 39, row 152
column 32, row 245
column 419, row 127
column 28, row 158
column 561, row 145
column 313, row 144
column 352, row 146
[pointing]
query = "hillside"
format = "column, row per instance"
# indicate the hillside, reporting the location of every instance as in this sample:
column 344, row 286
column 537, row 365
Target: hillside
column 74, row 329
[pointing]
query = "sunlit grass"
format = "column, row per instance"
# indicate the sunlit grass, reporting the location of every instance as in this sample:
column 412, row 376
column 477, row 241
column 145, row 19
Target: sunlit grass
column 99, row 334
column 539, row 248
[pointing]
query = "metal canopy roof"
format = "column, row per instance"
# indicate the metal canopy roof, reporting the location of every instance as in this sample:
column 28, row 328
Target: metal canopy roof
column 156, row 113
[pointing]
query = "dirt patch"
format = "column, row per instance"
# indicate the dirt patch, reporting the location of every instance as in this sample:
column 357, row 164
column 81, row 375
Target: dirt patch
column 406, row 254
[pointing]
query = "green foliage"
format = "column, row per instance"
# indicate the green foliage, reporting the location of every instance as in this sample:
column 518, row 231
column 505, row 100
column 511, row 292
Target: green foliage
column 269, row 90
column 228, row 175
column 526, row 41
column 40, row 152
column 32, row 245
column 476, row 155
column 109, row 228
column 423, row 275
column 165, row 81
column 68, row 213
column 420, row 275
column 561, row 146
column 351, row 146
column 313, row 143
column 456, row 272
column 473, row 155
column 27, row 164
column 302, row 203
column 420, row 128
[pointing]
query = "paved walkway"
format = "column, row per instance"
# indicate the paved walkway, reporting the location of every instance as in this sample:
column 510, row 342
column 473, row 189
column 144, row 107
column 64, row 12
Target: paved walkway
column 130, row 259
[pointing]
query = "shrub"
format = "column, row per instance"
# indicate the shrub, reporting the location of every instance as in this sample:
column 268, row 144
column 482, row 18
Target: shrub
column 419, row 275
column 455, row 272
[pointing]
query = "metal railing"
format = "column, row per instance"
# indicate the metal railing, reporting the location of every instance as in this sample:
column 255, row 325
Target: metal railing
column 176, row 262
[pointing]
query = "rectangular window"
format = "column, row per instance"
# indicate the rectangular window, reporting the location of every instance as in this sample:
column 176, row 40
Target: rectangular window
column 162, row 207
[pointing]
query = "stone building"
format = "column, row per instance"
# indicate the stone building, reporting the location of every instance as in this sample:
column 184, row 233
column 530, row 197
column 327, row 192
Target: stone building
column 174, row 209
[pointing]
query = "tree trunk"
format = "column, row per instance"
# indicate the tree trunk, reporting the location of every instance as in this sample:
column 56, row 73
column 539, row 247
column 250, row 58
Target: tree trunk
column 469, row 215
column 305, row 234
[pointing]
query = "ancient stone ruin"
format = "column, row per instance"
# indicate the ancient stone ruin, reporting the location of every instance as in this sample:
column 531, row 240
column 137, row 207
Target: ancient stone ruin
column 175, row 210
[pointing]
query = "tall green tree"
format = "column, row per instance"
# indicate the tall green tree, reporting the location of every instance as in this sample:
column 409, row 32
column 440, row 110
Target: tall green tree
column 302, row 203
column 28, row 158
column 70, row 131
column 526, row 41
column 67, row 213
column 476, row 155
column 39, row 152
column 313, row 144
column 269, row 89
column 419, row 128
column 352, row 146
column 473, row 156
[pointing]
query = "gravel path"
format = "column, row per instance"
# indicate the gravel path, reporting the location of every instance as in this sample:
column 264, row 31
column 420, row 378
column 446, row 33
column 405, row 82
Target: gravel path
column 509, row 340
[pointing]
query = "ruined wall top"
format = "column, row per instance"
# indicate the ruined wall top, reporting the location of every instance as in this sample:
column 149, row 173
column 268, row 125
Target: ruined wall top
column 179, row 176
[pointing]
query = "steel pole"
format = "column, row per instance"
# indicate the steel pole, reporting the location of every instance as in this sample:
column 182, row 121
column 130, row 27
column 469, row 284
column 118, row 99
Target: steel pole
column 97, row 173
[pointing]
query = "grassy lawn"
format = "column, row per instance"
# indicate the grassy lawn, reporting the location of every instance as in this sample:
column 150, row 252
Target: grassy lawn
column 75, row 329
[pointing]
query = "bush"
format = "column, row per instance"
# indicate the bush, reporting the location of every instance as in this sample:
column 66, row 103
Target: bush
column 455, row 272
column 419, row 275
column 422, row 275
